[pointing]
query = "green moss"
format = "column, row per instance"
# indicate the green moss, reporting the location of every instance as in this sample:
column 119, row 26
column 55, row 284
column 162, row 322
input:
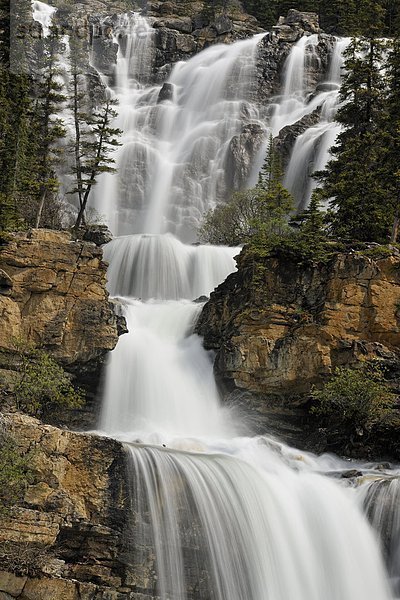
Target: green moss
column 354, row 398
column 15, row 473
column 43, row 386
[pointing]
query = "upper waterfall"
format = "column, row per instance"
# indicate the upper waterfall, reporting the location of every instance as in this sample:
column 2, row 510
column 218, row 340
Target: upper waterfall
column 179, row 139
column 172, row 165
column 43, row 13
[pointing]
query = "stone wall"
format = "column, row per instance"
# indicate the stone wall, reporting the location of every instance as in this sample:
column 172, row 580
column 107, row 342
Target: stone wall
column 53, row 294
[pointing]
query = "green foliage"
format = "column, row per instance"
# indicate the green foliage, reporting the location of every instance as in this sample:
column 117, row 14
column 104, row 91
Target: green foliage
column 258, row 216
column 29, row 132
column 95, row 139
column 43, row 386
column 356, row 181
column 377, row 252
column 15, row 472
column 354, row 398
column 343, row 17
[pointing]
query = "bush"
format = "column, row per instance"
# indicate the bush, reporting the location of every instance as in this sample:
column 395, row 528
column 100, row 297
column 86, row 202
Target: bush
column 15, row 472
column 44, row 386
column 23, row 558
column 354, row 398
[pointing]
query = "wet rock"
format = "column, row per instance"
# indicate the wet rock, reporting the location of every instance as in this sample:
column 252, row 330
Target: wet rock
column 98, row 234
column 351, row 474
column 308, row 21
column 276, row 46
column 201, row 299
column 285, row 141
column 287, row 33
column 222, row 24
column 166, row 93
column 243, row 149
column 5, row 283
column 183, row 25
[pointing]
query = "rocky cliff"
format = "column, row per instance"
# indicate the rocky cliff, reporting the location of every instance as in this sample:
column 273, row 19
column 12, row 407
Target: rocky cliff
column 278, row 327
column 66, row 540
column 79, row 532
column 53, row 294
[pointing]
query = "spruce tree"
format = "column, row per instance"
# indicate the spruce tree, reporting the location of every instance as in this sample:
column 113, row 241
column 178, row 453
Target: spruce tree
column 95, row 139
column 49, row 128
column 391, row 129
column 352, row 182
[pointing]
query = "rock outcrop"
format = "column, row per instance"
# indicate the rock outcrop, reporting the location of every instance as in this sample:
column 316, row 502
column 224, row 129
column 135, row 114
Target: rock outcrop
column 181, row 30
column 275, row 47
column 53, row 294
column 278, row 327
column 83, row 529
column 66, row 540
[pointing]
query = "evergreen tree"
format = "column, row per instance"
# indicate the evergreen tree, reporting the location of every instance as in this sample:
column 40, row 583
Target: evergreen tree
column 391, row 129
column 311, row 222
column 50, row 129
column 95, row 138
column 259, row 215
column 352, row 181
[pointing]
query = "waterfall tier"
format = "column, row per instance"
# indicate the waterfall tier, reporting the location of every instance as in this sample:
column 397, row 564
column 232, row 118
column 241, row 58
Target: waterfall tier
column 229, row 517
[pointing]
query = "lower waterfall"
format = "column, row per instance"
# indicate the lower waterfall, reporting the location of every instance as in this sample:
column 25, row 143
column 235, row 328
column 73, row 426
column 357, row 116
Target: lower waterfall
column 230, row 516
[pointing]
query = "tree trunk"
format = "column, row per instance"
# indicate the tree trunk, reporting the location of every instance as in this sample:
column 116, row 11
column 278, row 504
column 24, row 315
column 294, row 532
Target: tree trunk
column 40, row 209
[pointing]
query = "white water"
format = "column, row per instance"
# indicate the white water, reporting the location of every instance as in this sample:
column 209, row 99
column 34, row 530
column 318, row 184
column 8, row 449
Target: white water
column 234, row 517
column 43, row 14
column 381, row 500
column 172, row 162
column 311, row 149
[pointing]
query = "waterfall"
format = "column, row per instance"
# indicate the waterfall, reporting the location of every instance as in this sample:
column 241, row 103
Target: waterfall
column 176, row 138
column 160, row 380
column 311, row 149
column 264, row 535
column 43, row 14
column 381, row 500
column 226, row 515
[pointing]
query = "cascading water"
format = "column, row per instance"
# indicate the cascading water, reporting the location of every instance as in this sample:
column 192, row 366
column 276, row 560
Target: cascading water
column 43, row 14
column 176, row 138
column 230, row 517
column 381, row 501
column 311, row 149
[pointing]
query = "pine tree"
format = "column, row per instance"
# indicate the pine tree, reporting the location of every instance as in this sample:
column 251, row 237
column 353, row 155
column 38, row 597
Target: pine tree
column 49, row 128
column 95, row 138
column 272, row 193
column 391, row 127
column 311, row 222
column 352, row 180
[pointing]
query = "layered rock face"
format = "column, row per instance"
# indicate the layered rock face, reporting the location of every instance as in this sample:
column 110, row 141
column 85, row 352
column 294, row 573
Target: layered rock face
column 182, row 29
column 278, row 327
column 80, row 532
column 66, row 541
column 53, row 294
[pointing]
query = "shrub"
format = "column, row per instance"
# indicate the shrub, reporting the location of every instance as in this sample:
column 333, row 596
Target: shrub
column 23, row 558
column 15, row 472
column 44, row 385
column 354, row 398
